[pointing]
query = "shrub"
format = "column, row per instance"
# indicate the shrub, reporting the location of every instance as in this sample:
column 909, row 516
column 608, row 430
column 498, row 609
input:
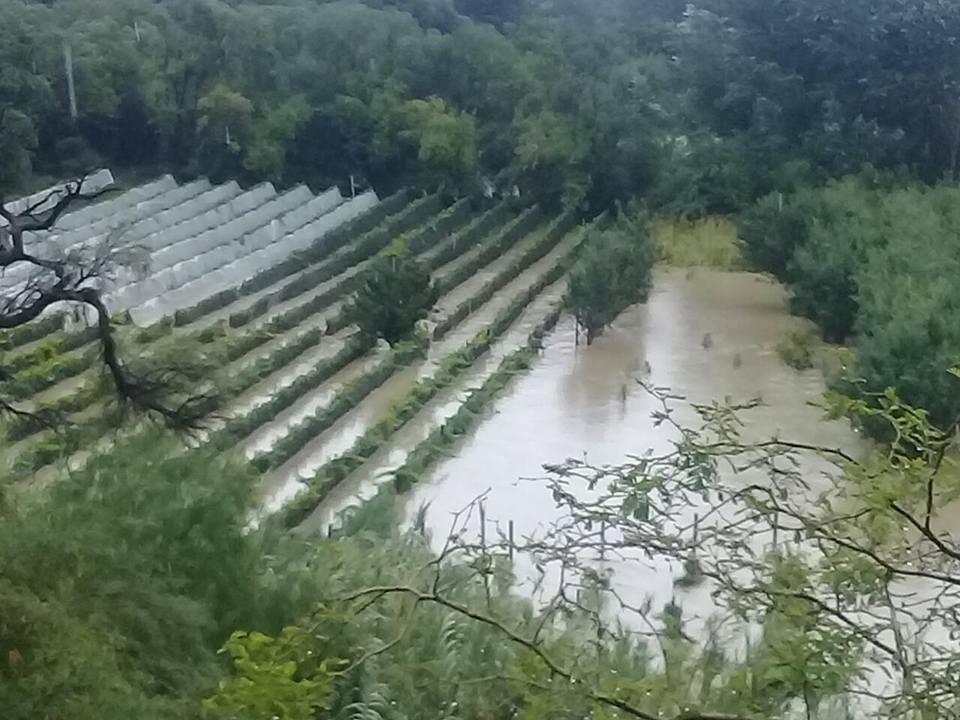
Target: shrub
column 396, row 294
column 615, row 271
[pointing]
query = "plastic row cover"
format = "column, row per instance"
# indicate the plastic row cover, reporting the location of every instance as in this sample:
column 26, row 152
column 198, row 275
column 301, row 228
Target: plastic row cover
column 99, row 210
column 57, row 245
column 239, row 271
column 240, row 243
column 205, row 212
column 132, row 214
column 235, row 228
column 48, row 198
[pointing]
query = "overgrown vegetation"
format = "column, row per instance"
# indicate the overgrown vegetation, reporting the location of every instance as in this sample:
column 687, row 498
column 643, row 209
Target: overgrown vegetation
column 869, row 260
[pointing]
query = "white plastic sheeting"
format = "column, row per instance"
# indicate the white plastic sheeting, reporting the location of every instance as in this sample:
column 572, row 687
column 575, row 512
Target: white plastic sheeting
column 58, row 244
column 132, row 214
column 198, row 267
column 263, row 252
column 168, row 219
column 99, row 210
column 48, row 198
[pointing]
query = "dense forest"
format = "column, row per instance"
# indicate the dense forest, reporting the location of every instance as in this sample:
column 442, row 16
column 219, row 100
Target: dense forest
column 829, row 132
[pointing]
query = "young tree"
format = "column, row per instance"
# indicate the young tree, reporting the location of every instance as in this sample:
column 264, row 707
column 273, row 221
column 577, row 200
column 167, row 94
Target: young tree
column 395, row 295
column 613, row 273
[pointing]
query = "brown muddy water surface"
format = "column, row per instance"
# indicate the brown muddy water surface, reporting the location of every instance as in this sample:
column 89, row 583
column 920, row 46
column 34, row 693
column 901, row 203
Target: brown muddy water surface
column 706, row 335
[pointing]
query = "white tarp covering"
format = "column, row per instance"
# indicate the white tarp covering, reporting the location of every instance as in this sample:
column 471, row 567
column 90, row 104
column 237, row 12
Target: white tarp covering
column 46, row 199
column 218, row 275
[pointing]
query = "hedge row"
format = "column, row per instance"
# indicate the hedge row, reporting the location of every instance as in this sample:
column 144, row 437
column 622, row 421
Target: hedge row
column 551, row 237
column 470, row 235
column 512, row 233
column 336, row 470
column 343, row 402
column 34, row 330
column 422, row 237
column 46, row 373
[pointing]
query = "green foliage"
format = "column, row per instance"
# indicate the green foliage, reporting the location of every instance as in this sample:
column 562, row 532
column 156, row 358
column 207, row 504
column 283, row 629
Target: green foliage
column 615, row 271
column 704, row 176
column 798, row 348
column 286, row 676
column 867, row 259
column 396, row 293
column 144, row 568
column 446, row 142
column 334, row 471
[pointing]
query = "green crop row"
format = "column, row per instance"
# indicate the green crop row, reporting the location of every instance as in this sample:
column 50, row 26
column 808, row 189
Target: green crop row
column 437, row 444
column 333, row 472
column 551, row 237
column 509, row 236
column 70, row 438
column 46, row 372
column 473, row 233
column 241, row 426
column 343, row 401
column 416, row 243
column 34, row 330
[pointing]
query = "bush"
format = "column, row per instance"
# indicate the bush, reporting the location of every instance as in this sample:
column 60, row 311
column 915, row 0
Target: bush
column 119, row 586
column 615, row 271
column 798, row 349
column 770, row 232
column 396, row 294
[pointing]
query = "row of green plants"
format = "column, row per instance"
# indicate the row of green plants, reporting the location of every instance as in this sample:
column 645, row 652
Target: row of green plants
column 349, row 396
column 348, row 256
column 438, row 443
column 346, row 398
column 474, row 234
column 231, row 348
column 509, row 236
column 54, row 324
column 554, row 232
column 58, row 367
column 41, row 367
column 238, row 427
column 417, row 241
column 54, row 445
column 49, row 366
column 336, row 470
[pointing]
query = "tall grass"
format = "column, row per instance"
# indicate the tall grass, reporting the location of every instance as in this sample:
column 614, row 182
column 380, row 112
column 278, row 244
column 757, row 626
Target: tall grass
column 707, row 242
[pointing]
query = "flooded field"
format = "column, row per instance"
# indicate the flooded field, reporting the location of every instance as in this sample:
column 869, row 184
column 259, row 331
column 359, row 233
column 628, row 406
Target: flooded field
column 706, row 335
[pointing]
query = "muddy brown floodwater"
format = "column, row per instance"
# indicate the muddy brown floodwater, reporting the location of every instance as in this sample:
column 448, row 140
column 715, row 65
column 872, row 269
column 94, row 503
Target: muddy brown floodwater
column 704, row 334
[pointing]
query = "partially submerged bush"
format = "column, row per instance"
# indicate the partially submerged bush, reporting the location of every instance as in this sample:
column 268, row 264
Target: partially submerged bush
column 614, row 272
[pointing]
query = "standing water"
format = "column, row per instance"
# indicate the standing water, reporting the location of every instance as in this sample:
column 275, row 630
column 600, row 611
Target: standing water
column 706, row 335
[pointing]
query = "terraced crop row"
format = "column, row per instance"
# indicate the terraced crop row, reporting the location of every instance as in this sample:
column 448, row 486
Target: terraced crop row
column 311, row 404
